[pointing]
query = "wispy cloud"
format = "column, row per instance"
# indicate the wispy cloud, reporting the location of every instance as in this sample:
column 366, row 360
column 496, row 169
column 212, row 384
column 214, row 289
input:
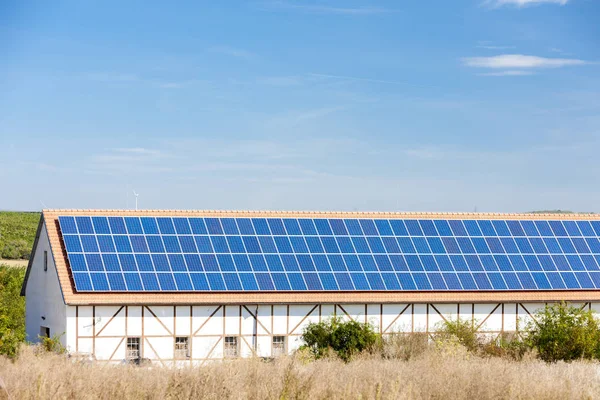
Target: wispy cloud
column 233, row 52
column 111, row 77
column 326, row 9
column 492, row 47
column 520, row 61
column 179, row 84
column 293, row 118
column 485, row 44
column 128, row 160
column 131, row 78
column 361, row 79
column 280, row 80
column 137, row 151
column 523, row 3
column 508, row 73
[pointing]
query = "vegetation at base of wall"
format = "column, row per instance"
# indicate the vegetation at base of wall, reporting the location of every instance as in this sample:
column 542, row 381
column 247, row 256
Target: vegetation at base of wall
column 432, row 375
column 12, row 310
column 17, row 233
column 52, row 344
column 564, row 332
column 464, row 331
column 559, row 332
column 344, row 338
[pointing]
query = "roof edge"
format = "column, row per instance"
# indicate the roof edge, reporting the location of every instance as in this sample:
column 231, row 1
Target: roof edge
column 324, row 214
column 32, row 255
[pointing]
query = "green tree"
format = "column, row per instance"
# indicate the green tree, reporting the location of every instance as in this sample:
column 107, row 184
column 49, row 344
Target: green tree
column 345, row 338
column 12, row 310
column 564, row 332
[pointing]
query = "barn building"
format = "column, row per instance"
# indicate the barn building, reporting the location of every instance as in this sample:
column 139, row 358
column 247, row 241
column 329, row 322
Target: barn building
column 190, row 286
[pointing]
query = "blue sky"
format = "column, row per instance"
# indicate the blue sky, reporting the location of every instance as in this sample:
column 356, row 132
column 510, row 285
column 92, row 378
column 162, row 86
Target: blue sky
column 308, row 105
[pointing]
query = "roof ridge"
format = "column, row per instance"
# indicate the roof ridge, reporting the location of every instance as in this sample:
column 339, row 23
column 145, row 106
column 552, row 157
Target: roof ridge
column 309, row 212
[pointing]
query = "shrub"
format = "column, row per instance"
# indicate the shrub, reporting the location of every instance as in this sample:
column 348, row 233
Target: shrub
column 52, row 344
column 564, row 332
column 345, row 338
column 507, row 345
column 463, row 331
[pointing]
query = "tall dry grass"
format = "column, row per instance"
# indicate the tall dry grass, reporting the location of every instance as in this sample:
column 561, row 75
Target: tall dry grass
column 442, row 373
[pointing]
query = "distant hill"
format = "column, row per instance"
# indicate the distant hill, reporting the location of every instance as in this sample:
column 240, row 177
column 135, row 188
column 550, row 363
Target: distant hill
column 17, row 233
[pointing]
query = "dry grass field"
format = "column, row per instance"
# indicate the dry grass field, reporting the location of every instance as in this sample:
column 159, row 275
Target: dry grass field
column 432, row 375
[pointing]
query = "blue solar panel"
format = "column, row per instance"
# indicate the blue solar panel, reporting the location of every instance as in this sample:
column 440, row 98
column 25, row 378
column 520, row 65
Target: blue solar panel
column 286, row 254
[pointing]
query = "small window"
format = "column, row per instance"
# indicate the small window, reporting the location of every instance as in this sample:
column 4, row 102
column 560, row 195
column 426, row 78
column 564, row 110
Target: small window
column 133, row 348
column 44, row 331
column 279, row 346
column 182, row 347
column 231, row 347
column 45, row 260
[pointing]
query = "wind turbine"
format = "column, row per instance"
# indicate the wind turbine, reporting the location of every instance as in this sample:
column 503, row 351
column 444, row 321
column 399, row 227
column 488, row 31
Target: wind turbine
column 136, row 199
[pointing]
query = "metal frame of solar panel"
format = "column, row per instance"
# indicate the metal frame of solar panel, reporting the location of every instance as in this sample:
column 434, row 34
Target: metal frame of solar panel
column 206, row 254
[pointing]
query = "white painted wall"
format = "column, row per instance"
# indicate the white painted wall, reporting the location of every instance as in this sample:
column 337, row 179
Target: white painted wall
column 44, row 297
column 103, row 330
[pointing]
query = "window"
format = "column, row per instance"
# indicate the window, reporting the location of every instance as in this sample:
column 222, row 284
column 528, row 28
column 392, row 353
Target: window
column 231, row 347
column 182, row 347
column 44, row 331
column 278, row 346
column 133, row 348
column 45, row 260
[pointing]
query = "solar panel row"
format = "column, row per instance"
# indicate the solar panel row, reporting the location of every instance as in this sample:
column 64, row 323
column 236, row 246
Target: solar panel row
column 336, row 281
column 327, row 227
column 326, row 245
column 249, row 254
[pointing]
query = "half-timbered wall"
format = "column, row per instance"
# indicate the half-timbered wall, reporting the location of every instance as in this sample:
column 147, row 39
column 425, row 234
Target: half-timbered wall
column 103, row 330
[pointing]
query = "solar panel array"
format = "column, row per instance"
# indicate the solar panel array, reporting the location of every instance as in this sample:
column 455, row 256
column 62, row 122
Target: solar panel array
column 178, row 254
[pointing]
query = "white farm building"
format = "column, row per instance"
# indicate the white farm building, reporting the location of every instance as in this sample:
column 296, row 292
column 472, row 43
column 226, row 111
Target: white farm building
column 190, row 286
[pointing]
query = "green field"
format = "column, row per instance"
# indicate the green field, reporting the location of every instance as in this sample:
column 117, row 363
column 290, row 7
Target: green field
column 17, row 233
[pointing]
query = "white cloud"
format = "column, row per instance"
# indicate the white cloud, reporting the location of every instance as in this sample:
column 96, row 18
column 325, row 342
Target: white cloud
column 505, row 61
column 524, row 3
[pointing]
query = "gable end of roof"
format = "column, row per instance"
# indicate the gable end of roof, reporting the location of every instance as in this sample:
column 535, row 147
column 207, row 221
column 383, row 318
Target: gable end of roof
column 31, row 256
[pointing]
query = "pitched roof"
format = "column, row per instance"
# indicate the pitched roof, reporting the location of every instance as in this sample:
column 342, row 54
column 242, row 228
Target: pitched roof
column 72, row 297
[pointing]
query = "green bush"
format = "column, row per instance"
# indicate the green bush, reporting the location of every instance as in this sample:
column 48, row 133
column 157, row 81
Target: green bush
column 506, row 345
column 12, row 310
column 52, row 344
column 564, row 332
column 345, row 338
column 462, row 330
